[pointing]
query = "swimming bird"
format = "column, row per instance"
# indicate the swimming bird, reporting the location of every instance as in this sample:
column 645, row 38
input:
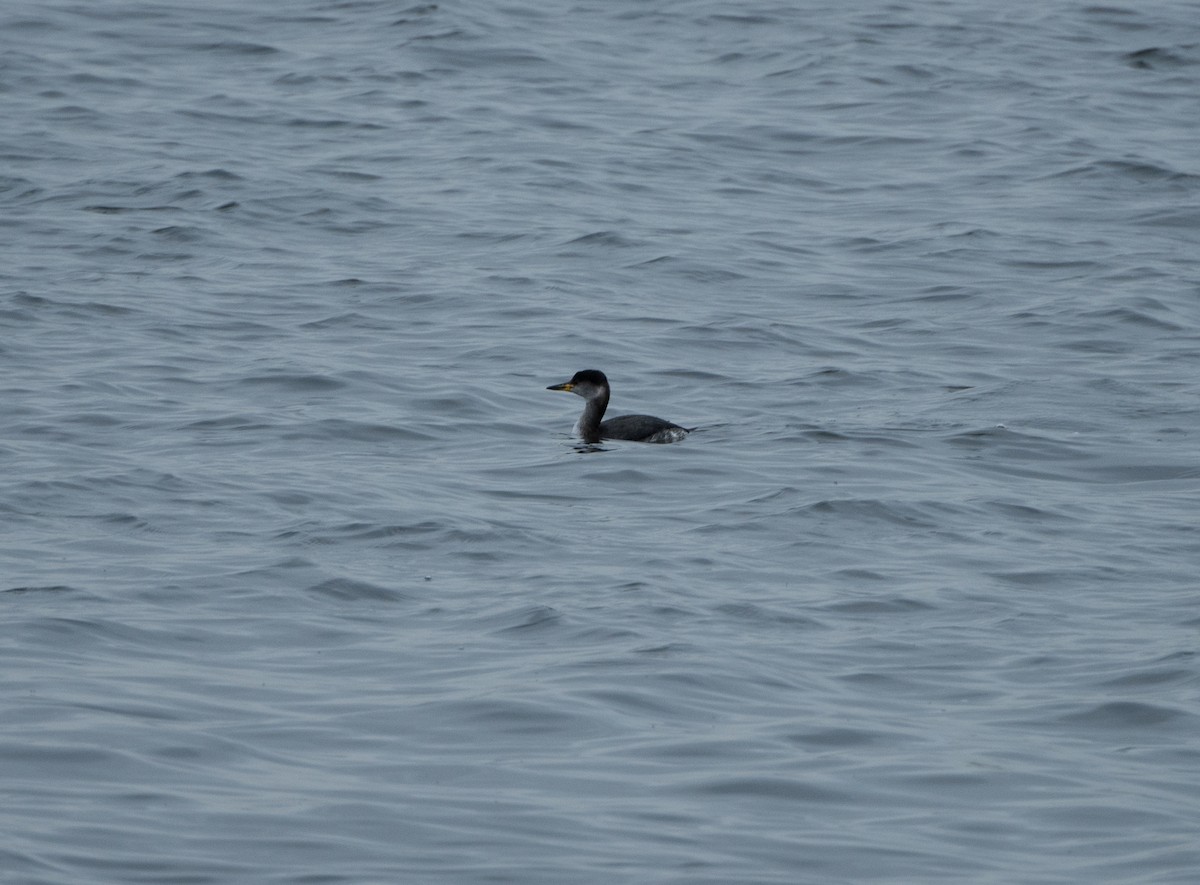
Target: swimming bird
column 593, row 387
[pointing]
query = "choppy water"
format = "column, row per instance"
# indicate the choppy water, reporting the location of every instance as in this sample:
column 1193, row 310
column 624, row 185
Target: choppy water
column 305, row 581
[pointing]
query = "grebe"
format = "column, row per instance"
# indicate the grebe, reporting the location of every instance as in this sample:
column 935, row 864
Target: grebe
column 593, row 387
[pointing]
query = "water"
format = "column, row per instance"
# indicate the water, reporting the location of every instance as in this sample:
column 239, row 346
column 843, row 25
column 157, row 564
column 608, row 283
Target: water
column 305, row 581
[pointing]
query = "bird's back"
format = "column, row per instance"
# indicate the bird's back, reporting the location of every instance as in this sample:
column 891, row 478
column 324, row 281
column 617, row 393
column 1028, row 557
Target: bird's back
column 641, row 428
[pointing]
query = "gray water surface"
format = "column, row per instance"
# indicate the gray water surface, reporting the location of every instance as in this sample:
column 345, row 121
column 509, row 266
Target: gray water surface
column 305, row 581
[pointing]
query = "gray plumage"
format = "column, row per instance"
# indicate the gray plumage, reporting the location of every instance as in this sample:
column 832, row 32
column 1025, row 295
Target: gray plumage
column 592, row 385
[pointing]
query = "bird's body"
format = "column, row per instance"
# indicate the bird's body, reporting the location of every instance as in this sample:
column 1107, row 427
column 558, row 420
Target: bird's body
column 592, row 385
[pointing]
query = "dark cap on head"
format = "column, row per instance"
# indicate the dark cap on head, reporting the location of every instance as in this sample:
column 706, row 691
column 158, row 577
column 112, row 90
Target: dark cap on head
column 588, row 379
column 590, row 376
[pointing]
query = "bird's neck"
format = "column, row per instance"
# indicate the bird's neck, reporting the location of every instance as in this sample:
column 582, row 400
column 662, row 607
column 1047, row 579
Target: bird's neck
column 589, row 424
